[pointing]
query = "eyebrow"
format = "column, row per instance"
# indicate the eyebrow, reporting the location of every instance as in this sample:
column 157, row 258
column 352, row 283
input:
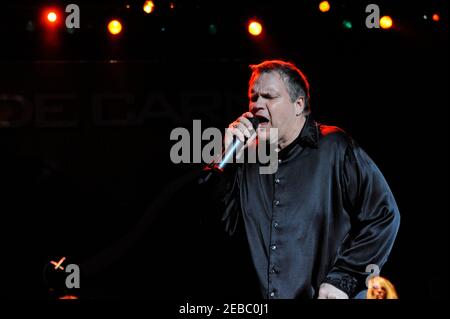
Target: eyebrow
column 267, row 92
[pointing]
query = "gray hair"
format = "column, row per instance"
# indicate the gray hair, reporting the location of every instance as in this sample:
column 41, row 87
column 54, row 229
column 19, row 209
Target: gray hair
column 296, row 83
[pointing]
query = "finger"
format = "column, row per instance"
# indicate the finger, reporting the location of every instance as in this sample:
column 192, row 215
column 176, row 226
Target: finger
column 252, row 138
column 238, row 133
column 244, row 129
column 247, row 123
column 250, row 141
column 231, row 131
column 248, row 115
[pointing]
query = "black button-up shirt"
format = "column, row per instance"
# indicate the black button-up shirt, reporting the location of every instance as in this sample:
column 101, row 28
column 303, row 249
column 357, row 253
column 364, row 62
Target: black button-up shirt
column 323, row 216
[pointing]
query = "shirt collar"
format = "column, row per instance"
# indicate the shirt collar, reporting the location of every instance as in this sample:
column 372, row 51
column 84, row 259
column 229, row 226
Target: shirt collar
column 308, row 137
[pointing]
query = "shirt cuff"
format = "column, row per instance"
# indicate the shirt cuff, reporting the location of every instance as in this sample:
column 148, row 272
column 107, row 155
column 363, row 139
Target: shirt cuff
column 342, row 281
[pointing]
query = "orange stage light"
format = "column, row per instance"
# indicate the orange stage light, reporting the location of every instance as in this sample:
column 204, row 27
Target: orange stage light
column 148, row 7
column 254, row 28
column 386, row 22
column 324, row 6
column 114, row 27
column 59, row 263
column 436, row 17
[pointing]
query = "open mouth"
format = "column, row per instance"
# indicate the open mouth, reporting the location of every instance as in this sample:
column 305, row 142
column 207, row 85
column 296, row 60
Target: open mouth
column 262, row 120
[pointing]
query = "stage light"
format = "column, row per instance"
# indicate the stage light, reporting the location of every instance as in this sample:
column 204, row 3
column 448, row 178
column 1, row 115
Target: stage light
column 68, row 297
column 254, row 28
column 347, row 24
column 436, row 17
column 324, row 6
column 172, row 5
column 149, row 6
column 212, row 29
column 114, row 27
column 58, row 265
column 386, row 22
column 52, row 16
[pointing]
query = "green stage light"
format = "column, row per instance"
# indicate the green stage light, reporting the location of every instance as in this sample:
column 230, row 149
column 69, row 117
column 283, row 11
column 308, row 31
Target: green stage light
column 347, row 24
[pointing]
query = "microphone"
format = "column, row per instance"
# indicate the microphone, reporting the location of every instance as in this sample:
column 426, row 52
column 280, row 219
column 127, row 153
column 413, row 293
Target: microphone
column 233, row 148
column 227, row 155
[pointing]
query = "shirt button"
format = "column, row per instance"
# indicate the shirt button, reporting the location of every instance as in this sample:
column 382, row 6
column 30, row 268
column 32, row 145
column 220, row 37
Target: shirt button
column 277, row 181
column 274, row 247
column 272, row 294
column 275, row 225
column 279, row 161
column 273, row 270
column 276, row 203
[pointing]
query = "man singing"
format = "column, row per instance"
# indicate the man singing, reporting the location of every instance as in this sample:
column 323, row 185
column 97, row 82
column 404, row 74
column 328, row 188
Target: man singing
column 327, row 212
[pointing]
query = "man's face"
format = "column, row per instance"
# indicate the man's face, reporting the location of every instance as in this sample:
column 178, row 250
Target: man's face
column 271, row 104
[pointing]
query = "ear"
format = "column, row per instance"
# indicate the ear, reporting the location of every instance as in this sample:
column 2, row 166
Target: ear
column 299, row 105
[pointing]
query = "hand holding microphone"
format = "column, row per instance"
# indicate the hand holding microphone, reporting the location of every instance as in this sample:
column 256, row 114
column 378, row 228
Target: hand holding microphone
column 244, row 127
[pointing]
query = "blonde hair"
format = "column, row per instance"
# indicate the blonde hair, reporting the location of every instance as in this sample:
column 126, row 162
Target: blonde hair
column 379, row 283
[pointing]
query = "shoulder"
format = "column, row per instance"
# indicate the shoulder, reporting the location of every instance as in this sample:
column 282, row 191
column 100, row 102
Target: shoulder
column 333, row 135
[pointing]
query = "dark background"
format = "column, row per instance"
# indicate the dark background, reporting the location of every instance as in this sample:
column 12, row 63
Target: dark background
column 85, row 120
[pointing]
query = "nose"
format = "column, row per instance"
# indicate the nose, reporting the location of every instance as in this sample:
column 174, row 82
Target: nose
column 257, row 105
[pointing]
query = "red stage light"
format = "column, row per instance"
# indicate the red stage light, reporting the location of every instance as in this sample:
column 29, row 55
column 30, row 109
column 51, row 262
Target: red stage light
column 51, row 17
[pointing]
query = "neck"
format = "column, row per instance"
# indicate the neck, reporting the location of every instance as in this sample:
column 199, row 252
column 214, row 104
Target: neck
column 293, row 133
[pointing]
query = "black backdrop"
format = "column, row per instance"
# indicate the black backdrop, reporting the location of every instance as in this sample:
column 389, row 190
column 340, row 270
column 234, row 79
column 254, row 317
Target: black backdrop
column 86, row 153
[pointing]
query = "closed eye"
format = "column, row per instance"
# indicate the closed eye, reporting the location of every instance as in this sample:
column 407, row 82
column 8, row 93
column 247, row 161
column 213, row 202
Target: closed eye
column 268, row 96
column 254, row 98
